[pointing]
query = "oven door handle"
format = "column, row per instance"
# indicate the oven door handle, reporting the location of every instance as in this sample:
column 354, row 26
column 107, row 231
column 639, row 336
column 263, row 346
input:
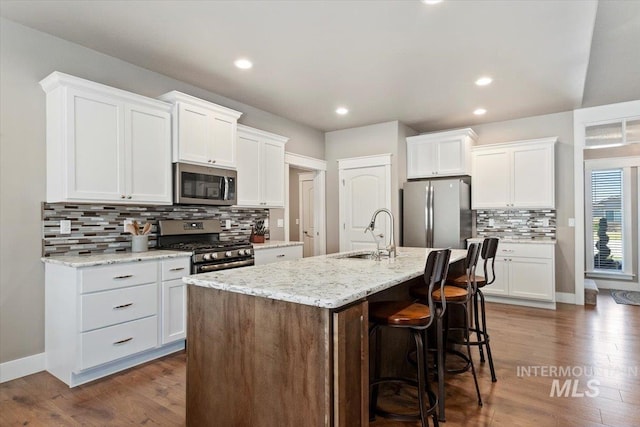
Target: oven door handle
column 223, row 266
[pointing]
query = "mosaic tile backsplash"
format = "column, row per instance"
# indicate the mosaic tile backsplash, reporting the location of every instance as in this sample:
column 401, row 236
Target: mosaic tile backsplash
column 99, row 228
column 517, row 224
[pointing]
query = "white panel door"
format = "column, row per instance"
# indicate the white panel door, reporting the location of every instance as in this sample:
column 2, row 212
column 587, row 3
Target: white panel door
column 450, row 155
column 249, row 171
column 307, row 226
column 273, row 174
column 148, row 159
column 421, row 159
column 194, row 133
column 531, row 278
column 362, row 192
column 96, row 147
column 491, row 176
column 174, row 310
column 533, row 177
column 223, row 148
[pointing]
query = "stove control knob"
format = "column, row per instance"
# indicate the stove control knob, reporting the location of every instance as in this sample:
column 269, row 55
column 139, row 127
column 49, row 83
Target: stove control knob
column 214, row 256
column 206, row 257
column 241, row 252
column 227, row 254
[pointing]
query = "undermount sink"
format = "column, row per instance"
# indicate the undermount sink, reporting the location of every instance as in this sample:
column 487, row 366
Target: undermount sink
column 366, row 255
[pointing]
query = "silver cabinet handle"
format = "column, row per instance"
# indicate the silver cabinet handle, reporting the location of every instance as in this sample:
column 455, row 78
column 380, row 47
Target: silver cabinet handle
column 120, row 307
column 177, row 269
column 507, row 250
column 122, row 196
column 128, row 197
column 280, row 256
column 126, row 276
column 126, row 340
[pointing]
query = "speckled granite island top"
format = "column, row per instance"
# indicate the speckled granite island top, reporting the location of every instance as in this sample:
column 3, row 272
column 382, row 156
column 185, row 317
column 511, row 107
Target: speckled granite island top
column 117, row 258
column 327, row 281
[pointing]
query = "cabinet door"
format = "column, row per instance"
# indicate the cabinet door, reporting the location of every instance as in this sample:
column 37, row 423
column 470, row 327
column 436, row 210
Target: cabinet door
column 95, row 152
column 533, row 172
column 491, row 179
column 531, row 278
column 421, row 159
column 500, row 286
column 194, row 134
column 223, row 147
column 273, row 174
column 249, row 170
column 174, row 310
column 451, row 157
column 148, row 155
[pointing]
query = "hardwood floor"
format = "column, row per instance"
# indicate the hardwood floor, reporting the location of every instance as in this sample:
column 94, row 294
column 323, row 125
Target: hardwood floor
column 604, row 339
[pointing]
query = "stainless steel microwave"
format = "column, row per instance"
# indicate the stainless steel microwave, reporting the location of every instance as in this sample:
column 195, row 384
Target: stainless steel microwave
column 203, row 185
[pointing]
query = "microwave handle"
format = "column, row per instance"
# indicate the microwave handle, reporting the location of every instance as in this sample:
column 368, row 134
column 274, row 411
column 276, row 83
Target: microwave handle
column 225, row 188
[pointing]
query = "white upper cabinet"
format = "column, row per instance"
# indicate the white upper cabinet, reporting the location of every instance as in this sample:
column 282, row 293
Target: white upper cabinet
column 514, row 175
column 440, row 154
column 203, row 133
column 260, row 168
column 105, row 144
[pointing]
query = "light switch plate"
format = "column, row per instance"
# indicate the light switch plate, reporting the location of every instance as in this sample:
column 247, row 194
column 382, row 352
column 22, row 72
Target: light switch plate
column 280, row 223
column 297, row 221
column 126, row 222
column 65, row 226
column 492, row 222
column 545, row 222
column 572, row 222
column 227, row 223
column 266, row 223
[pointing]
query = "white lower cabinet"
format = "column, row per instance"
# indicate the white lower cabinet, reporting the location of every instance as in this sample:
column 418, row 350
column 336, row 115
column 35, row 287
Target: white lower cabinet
column 103, row 319
column 268, row 255
column 524, row 272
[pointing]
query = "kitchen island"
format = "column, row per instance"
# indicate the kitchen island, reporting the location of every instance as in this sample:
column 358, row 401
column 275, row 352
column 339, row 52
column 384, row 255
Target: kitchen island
column 286, row 344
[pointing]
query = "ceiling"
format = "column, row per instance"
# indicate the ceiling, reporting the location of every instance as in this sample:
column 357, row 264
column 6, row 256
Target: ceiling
column 384, row 60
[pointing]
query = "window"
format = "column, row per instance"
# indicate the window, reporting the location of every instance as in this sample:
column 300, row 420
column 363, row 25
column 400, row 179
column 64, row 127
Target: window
column 608, row 216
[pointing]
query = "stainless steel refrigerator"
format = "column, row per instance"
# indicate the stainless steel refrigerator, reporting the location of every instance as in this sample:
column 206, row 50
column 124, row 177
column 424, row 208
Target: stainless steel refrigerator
column 436, row 213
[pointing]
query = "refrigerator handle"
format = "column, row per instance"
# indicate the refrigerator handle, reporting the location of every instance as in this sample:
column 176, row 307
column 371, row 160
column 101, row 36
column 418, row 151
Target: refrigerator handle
column 431, row 221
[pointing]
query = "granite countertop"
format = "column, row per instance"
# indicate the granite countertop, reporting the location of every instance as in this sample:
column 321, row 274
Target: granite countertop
column 116, row 258
column 511, row 240
column 275, row 244
column 327, row 281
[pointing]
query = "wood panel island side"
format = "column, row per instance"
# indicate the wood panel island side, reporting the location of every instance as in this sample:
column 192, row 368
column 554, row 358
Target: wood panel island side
column 286, row 344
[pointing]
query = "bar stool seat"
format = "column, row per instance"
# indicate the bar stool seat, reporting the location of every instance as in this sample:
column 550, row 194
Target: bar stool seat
column 451, row 293
column 399, row 313
column 461, row 281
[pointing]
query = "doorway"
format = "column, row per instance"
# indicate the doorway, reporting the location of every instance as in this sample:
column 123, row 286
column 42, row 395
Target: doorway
column 306, row 230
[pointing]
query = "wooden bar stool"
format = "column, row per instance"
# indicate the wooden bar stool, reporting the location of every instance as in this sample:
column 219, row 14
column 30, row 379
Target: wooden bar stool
column 489, row 250
column 417, row 318
column 462, row 297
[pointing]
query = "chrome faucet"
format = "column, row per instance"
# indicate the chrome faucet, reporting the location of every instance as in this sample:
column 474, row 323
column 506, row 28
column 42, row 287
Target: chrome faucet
column 391, row 248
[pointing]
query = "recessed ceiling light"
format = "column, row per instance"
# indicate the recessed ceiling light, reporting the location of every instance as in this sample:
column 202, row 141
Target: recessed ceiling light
column 430, row 2
column 243, row 64
column 342, row 111
column 483, row 81
column 479, row 111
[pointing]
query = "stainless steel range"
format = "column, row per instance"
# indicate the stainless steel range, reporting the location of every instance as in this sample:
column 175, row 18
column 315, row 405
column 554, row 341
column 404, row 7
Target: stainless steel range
column 202, row 237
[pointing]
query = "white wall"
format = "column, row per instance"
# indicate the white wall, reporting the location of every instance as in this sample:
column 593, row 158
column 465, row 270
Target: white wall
column 560, row 125
column 26, row 57
column 380, row 138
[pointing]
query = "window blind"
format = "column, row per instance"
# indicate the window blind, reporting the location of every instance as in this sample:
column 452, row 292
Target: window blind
column 607, row 219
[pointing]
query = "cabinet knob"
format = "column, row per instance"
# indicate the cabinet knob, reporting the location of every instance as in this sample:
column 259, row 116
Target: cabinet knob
column 122, row 196
column 209, row 161
column 213, row 161
column 128, row 197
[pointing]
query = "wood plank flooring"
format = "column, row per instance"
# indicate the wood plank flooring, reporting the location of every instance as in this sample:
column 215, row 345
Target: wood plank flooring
column 605, row 337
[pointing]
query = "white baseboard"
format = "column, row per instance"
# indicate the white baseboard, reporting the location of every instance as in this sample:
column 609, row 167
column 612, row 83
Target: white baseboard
column 22, row 367
column 565, row 297
column 522, row 302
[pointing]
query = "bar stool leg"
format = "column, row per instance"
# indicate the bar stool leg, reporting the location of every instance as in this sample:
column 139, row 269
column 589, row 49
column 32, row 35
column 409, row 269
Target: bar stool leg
column 486, row 339
column 477, row 325
column 440, row 361
column 421, row 375
column 467, row 336
column 373, row 398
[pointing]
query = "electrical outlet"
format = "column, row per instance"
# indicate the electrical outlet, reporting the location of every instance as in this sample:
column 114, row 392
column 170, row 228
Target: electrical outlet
column 492, row 222
column 572, row 222
column 65, row 226
column 297, row 221
column 280, row 223
column 227, row 223
column 266, row 223
column 545, row 222
column 126, row 222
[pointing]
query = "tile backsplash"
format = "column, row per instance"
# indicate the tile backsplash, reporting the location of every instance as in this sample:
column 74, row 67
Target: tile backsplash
column 537, row 224
column 98, row 228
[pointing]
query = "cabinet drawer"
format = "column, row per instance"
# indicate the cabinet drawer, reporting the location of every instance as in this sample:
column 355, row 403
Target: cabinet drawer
column 119, row 305
column 267, row 256
column 107, row 344
column 118, row 276
column 525, row 250
column 175, row 268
